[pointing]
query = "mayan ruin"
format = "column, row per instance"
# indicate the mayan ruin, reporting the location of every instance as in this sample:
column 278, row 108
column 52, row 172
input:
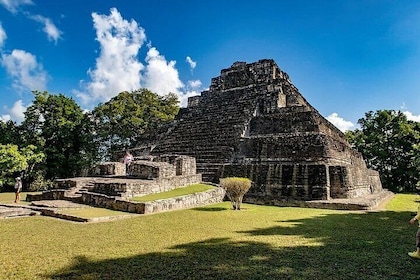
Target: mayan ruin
column 253, row 122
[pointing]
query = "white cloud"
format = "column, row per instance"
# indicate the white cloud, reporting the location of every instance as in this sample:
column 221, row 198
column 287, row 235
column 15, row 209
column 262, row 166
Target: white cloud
column 117, row 68
column 193, row 88
column 3, row 36
column 161, row 76
column 339, row 122
column 16, row 113
column 13, row 5
column 5, row 118
column 192, row 63
column 411, row 117
column 194, row 84
column 53, row 33
column 26, row 72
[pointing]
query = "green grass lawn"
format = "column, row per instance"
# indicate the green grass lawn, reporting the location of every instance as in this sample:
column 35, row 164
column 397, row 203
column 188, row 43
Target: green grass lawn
column 214, row 242
column 9, row 197
column 173, row 193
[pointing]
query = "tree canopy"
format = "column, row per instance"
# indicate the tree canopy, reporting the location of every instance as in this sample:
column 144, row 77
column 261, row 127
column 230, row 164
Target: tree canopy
column 9, row 133
column 17, row 162
column 120, row 122
column 389, row 144
column 54, row 122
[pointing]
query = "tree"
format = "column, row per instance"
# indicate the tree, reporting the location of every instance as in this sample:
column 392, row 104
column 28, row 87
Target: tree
column 9, row 132
column 56, row 123
column 11, row 162
column 235, row 188
column 389, row 144
column 122, row 121
column 17, row 162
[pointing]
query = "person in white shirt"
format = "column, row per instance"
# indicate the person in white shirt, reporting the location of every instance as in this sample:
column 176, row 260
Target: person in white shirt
column 18, row 189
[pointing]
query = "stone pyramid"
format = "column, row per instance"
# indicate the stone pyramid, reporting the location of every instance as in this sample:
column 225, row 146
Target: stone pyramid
column 253, row 122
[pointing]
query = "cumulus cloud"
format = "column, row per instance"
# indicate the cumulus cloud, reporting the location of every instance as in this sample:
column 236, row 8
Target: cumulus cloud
column 26, row 72
column 3, row 36
column 13, row 5
column 196, row 84
column 193, row 88
column 5, row 118
column 192, row 63
column 160, row 75
column 117, row 68
column 53, row 33
column 339, row 122
column 16, row 113
column 411, row 117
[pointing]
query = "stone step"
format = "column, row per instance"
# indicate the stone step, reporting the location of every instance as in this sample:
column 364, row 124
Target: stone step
column 16, row 211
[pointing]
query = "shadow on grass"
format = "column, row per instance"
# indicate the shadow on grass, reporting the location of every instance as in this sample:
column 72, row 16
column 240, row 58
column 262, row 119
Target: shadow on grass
column 350, row 246
column 210, row 209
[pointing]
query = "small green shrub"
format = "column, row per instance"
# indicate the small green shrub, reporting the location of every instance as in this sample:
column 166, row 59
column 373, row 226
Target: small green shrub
column 236, row 188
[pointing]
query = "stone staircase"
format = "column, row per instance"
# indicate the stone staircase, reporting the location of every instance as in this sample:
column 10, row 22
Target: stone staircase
column 77, row 191
column 210, row 133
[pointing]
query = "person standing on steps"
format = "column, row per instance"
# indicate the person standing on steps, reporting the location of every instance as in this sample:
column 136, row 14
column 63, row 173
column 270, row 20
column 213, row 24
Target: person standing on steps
column 18, row 189
column 128, row 158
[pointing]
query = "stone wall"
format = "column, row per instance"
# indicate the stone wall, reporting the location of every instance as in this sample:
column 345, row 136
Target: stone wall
column 187, row 201
column 131, row 188
column 282, row 181
column 148, row 166
column 56, row 194
column 73, row 183
column 184, row 165
column 151, row 170
column 109, row 168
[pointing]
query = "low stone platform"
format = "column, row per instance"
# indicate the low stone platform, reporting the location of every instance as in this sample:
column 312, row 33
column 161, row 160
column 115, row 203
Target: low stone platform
column 15, row 211
column 366, row 203
column 57, row 204
column 53, row 208
column 374, row 201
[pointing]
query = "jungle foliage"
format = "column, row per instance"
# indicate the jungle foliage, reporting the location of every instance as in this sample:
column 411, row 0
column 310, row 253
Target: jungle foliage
column 390, row 144
column 58, row 139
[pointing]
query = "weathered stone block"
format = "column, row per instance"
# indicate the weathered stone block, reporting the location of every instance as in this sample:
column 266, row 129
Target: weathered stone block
column 109, row 168
column 152, row 170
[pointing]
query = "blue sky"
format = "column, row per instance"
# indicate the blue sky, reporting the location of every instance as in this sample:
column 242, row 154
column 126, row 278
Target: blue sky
column 345, row 57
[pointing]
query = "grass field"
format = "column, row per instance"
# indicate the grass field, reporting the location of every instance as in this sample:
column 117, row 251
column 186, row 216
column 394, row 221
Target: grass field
column 9, row 197
column 214, row 242
column 173, row 193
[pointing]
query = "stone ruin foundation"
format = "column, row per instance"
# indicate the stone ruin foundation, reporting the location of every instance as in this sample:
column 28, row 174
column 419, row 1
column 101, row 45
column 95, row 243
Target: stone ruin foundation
column 108, row 187
column 254, row 123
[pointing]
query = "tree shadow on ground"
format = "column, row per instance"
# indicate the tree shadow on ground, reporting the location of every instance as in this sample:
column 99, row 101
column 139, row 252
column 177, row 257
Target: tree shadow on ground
column 350, row 246
column 210, row 209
